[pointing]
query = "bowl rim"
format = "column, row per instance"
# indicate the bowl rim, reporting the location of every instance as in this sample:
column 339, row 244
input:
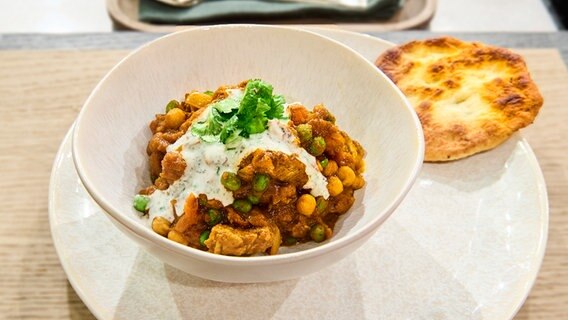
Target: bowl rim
column 139, row 230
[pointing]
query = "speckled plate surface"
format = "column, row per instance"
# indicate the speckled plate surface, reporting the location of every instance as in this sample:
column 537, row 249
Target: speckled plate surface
column 466, row 243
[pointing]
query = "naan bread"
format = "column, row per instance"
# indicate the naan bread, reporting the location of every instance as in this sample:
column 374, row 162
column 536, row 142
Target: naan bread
column 469, row 97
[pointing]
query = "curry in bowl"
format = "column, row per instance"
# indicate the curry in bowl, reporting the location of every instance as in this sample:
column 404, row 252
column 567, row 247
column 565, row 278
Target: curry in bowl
column 240, row 172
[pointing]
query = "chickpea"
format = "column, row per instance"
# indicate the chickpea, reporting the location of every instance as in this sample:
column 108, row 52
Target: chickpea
column 177, row 237
column 334, row 186
column 330, row 169
column 361, row 166
column 198, row 100
column 346, row 175
column 174, row 118
column 358, row 183
column 306, row 204
column 161, row 226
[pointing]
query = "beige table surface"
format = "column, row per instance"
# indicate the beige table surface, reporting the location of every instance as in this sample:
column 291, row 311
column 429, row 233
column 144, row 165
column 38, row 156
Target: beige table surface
column 41, row 93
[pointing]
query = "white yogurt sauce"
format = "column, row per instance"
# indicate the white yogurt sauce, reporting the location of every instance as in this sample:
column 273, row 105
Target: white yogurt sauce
column 206, row 161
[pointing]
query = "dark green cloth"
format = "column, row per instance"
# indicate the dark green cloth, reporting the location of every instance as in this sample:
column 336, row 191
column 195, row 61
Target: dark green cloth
column 211, row 11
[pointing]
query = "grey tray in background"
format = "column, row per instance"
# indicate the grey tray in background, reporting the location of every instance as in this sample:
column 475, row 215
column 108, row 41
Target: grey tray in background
column 414, row 14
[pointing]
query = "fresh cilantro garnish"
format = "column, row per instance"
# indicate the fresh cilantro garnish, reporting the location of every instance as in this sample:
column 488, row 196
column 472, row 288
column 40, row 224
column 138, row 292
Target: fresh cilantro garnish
column 241, row 116
column 209, row 129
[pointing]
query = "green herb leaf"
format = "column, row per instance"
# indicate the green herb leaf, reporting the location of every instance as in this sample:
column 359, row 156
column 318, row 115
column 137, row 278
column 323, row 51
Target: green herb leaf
column 212, row 126
column 227, row 105
column 277, row 108
column 241, row 116
column 210, row 138
column 257, row 107
column 229, row 131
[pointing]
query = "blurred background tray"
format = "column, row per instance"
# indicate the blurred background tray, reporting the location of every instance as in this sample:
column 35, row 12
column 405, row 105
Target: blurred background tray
column 414, row 14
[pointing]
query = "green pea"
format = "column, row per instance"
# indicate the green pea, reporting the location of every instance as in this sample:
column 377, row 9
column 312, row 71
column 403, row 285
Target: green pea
column 304, row 132
column 172, row 105
column 324, row 163
column 209, row 93
column 290, row 241
column 317, row 146
column 253, row 198
column 141, row 202
column 204, row 236
column 321, row 204
column 242, row 205
column 230, row 181
column 215, row 216
column 260, row 182
column 317, row 233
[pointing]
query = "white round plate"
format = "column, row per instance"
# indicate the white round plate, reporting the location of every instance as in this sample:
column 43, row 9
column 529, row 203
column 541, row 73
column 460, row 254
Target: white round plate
column 466, row 243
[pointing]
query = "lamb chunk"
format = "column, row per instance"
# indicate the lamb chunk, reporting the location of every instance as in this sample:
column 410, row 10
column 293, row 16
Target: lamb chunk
column 161, row 183
column 172, row 136
column 338, row 145
column 289, row 169
column 334, row 140
column 173, row 167
column 230, row 241
column 298, row 114
column 157, row 125
column 280, row 166
column 279, row 194
column 156, row 164
column 148, row 190
column 301, row 229
column 321, row 112
column 236, row 219
column 243, row 191
column 284, row 195
column 246, row 173
column 261, row 161
column 257, row 219
column 157, row 143
column 342, row 202
column 284, row 217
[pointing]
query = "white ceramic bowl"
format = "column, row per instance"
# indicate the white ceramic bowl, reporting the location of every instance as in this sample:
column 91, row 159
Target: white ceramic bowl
column 111, row 133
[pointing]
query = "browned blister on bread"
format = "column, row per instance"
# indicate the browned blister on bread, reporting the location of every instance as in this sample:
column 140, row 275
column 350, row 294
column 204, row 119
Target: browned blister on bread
column 470, row 97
